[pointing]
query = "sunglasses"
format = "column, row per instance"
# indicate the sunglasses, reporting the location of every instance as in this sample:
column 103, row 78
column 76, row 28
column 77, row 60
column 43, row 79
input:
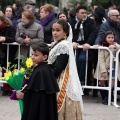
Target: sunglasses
column 115, row 15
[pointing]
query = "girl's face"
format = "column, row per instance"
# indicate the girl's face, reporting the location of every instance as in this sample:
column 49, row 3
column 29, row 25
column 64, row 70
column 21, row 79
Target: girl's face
column 43, row 13
column 38, row 57
column 25, row 20
column 63, row 16
column 58, row 32
column 8, row 12
column 110, row 38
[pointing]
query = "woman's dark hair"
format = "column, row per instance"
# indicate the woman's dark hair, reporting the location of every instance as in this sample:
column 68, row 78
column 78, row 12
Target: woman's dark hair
column 62, row 13
column 65, row 26
column 104, row 42
column 13, row 12
column 41, row 47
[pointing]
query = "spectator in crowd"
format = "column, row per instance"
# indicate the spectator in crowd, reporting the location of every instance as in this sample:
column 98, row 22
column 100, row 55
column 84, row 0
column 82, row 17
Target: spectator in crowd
column 62, row 15
column 93, row 8
column 111, row 24
column 103, row 66
column 17, row 10
column 84, row 33
column 31, row 4
column 28, row 32
column 47, row 18
column 119, row 11
column 72, row 12
column 9, row 12
column 98, row 17
column 62, row 62
column 30, row 8
column 56, row 10
column 7, row 35
column 112, row 6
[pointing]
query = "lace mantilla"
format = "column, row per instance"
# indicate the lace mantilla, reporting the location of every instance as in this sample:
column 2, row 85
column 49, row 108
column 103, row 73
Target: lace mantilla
column 60, row 48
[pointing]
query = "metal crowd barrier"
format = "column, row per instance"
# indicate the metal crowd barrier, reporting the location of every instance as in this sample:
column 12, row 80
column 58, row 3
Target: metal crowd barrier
column 8, row 44
column 116, row 88
column 86, row 86
column 110, row 74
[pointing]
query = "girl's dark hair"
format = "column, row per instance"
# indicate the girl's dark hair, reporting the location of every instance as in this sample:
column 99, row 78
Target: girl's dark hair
column 65, row 26
column 104, row 42
column 41, row 47
column 62, row 13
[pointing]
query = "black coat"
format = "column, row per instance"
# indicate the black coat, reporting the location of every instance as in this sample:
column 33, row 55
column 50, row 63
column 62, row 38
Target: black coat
column 9, row 34
column 48, row 32
column 40, row 101
column 89, row 29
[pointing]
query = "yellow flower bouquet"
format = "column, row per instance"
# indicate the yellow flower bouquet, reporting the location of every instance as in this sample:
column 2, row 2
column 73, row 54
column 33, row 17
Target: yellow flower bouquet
column 15, row 77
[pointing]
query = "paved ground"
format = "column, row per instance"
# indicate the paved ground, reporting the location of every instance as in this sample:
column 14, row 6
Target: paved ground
column 93, row 109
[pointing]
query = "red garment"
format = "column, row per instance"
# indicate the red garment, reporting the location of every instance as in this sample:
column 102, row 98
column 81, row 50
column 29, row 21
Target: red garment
column 2, row 26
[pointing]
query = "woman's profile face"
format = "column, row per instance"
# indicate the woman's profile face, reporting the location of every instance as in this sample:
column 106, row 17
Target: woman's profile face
column 43, row 13
column 58, row 32
column 25, row 20
column 8, row 12
column 63, row 16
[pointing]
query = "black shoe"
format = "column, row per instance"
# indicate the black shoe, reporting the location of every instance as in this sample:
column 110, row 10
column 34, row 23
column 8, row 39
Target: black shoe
column 105, row 101
column 5, row 93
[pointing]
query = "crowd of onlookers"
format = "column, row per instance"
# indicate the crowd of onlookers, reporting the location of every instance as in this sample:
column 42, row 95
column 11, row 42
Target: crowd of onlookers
column 28, row 27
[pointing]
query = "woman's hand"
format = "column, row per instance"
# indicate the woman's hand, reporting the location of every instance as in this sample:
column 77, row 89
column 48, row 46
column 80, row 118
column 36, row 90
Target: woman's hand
column 2, row 39
column 104, row 74
column 112, row 46
column 19, row 94
column 86, row 46
column 27, row 40
column 75, row 45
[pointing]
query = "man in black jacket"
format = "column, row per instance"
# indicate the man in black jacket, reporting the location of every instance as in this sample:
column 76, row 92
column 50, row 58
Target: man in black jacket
column 84, row 33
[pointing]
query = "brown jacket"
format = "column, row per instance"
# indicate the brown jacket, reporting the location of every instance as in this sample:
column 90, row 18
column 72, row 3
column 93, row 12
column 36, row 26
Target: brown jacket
column 104, row 62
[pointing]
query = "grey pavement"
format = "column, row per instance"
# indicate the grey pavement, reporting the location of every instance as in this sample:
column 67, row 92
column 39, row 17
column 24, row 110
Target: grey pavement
column 93, row 109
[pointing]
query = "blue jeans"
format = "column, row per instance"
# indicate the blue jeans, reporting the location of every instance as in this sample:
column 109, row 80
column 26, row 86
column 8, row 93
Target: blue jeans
column 82, row 65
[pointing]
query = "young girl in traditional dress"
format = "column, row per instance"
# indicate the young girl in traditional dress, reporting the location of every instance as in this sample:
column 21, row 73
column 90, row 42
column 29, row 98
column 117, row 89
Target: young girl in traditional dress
column 62, row 62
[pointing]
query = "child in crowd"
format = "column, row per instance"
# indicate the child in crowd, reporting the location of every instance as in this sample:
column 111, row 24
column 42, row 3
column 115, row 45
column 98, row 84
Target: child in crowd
column 40, row 95
column 103, row 67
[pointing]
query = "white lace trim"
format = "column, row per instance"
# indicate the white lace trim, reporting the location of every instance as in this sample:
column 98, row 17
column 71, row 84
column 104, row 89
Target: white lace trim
column 61, row 48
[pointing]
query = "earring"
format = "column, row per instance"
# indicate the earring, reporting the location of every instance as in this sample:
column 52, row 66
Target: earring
column 65, row 37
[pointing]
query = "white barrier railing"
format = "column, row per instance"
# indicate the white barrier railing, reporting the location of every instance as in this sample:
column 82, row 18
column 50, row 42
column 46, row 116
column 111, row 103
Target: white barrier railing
column 8, row 44
column 86, row 86
column 116, row 88
column 110, row 74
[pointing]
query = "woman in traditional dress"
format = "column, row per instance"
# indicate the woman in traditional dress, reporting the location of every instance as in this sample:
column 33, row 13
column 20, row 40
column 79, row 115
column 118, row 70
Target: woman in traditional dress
column 62, row 62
